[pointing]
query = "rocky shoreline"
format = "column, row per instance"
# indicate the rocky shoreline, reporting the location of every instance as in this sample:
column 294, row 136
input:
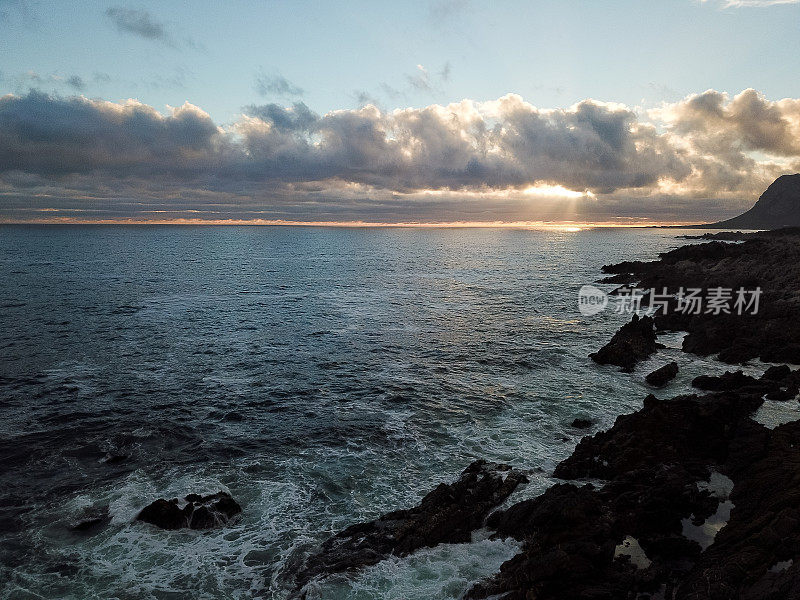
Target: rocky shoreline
column 695, row 499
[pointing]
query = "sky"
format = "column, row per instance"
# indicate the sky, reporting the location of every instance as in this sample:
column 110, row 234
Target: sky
column 435, row 111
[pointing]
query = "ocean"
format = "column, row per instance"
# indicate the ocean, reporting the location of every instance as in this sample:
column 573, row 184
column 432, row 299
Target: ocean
column 322, row 376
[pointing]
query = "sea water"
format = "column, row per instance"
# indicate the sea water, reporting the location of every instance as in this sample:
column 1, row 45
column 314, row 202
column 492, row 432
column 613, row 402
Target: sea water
column 322, row 376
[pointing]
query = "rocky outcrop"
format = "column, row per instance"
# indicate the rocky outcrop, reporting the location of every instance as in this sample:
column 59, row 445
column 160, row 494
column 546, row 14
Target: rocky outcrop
column 663, row 375
column 448, row 514
column 632, row 537
column 729, row 381
column 769, row 261
column 195, row 512
column 778, row 206
column 634, row 341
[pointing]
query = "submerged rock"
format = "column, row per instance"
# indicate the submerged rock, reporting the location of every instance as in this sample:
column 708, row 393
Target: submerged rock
column 91, row 520
column 634, row 341
column 448, row 514
column 196, row 512
column 581, row 423
column 663, row 375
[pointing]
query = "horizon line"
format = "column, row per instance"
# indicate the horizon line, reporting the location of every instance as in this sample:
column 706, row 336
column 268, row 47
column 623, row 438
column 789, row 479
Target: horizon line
column 541, row 225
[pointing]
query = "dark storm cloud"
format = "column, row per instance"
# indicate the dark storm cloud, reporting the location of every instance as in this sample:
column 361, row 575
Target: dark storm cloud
column 138, row 22
column 276, row 157
column 276, row 85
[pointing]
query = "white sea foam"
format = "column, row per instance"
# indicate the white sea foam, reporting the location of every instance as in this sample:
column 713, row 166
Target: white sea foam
column 446, row 571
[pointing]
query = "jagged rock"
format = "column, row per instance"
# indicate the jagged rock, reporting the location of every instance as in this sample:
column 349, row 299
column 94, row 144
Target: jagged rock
column 652, row 460
column 728, row 381
column 777, row 373
column 764, row 528
column 727, row 236
column 570, row 535
column 196, row 512
column 693, row 431
column 767, row 260
column 634, row 341
column 448, row 514
column 783, row 394
column 663, row 375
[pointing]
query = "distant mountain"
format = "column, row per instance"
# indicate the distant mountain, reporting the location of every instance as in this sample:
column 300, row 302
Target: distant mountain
column 778, row 207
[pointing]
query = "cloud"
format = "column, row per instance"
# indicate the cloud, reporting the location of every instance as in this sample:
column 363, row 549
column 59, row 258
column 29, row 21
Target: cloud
column 139, row 23
column 34, row 80
column 76, row 82
column 442, row 12
column 503, row 158
column 51, row 137
column 277, row 86
column 728, row 137
column 423, row 81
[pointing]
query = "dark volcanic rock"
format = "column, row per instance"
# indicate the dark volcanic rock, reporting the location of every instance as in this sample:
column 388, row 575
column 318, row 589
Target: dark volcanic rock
column 764, row 528
column 448, row 514
column 580, row 423
column 725, row 236
column 570, row 535
column 634, row 341
column 725, row 382
column 196, row 512
column 778, row 206
column 768, row 260
column 693, row 431
column 778, row 373
column 663, row 375
column 653, row 461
